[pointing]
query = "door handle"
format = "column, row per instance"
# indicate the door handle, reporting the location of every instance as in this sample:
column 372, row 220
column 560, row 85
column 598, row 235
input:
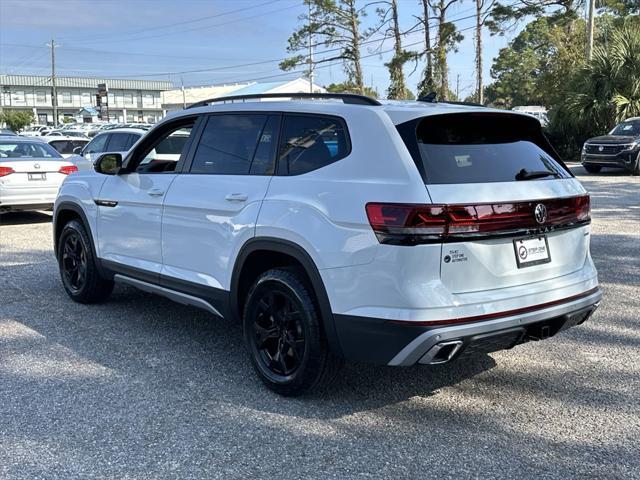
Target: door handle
column 236, row 197
column 156, row 192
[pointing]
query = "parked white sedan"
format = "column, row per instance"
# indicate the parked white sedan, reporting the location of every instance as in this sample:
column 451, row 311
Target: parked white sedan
column 31, row 172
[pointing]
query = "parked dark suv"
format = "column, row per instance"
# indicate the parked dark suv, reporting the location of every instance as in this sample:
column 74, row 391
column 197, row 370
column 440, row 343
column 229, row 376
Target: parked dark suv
column 619, row 149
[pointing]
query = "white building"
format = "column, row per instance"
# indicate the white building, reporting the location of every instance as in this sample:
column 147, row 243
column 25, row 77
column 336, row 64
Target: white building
column 129, row 100
column 177, row 98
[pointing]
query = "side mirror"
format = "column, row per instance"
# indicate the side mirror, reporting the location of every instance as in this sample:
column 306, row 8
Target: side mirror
column 78, row 150
column 108, row 163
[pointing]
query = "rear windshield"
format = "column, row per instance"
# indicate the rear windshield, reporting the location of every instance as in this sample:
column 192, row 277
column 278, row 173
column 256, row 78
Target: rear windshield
column 480, row 148
column 9, row 150
column 66, row 147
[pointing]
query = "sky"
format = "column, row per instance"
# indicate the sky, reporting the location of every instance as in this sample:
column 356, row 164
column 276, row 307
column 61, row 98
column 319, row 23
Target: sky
column 200, row 42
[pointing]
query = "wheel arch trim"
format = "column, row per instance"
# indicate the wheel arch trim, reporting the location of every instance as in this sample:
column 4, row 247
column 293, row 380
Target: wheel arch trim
column 74, row 207
column 297, row 252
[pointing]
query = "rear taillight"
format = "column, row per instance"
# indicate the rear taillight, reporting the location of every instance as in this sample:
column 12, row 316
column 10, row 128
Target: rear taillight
column 68, row 169
column 4, row 171
column 414, row 224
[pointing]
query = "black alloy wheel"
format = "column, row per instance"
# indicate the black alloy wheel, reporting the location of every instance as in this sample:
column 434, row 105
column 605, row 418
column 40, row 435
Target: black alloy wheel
column 278, row 333
column 284, row 335
column 74, row 263
column 79, row 272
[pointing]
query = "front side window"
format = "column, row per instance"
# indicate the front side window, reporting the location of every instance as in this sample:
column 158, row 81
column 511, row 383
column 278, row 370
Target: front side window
column 311, row 142
column 162, row 153
column 230, row 142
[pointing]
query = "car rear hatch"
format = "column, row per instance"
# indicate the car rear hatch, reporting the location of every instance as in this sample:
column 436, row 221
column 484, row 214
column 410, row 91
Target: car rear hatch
column 505, row 208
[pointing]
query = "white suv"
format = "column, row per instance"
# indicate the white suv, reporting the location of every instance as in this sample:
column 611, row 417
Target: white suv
column 398, row 234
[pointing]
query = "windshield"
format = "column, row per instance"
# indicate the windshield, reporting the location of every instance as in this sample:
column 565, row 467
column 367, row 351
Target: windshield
column 627, row 129
column 67, row 147
column 480, row 148
column 27, row 150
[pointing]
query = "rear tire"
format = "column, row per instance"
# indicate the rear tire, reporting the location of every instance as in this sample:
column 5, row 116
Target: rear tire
column 592, row 168
column 80, row 276
column 284, row 336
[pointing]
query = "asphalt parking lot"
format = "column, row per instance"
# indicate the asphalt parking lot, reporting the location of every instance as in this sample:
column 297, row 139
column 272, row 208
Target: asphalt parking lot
column 140, row 387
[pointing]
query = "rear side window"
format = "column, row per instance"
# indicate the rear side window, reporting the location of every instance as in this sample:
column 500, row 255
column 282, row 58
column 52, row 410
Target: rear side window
column 310, row 142
column 229, row 143
column 480, row 148
column 119, row 142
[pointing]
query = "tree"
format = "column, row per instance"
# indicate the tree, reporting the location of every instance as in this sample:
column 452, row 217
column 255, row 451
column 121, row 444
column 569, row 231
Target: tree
column 483, row 12
column 427, row 84
column 448, row 39
column 533, row 69
column 334, row 24
column 607, row 89
column 397, row 87
column 16, row 120
column 348, row 87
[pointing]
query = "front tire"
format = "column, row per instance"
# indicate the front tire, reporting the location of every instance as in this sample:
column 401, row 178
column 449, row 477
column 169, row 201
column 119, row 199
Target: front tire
column 636, row 169
column 592, row 168
column 284, row 336
column 78, row 271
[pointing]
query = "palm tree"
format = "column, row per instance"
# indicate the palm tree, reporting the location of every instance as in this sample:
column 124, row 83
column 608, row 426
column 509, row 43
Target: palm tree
column 607, row 89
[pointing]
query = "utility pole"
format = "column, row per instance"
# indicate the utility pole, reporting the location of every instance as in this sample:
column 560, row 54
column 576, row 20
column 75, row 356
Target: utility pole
column 184, row 100
column 310, row 53
column 54, row 90
column 592, row 7
column 458, row 87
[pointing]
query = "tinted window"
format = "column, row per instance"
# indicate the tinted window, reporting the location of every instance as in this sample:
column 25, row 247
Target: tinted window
column 133, row 138
column 311, row 142
column 27, row 150
column 264, row 159
column 228, row 144
column 98, row 144
column 480, row 148
column 119, row 142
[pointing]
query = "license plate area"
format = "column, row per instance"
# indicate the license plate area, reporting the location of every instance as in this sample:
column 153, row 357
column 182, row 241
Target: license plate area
column 36, row 176
column 531, row 251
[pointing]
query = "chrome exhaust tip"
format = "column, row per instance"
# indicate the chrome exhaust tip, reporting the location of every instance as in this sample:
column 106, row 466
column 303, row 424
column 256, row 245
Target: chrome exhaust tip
column 441, row 352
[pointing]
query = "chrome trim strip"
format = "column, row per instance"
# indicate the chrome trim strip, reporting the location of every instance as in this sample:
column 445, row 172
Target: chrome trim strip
column 178, row 297
column 420, row 345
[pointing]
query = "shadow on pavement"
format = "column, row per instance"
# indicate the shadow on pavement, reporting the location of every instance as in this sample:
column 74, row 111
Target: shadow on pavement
column 20, row 218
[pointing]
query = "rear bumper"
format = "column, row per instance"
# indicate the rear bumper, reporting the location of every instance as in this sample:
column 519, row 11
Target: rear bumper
column 408, row 343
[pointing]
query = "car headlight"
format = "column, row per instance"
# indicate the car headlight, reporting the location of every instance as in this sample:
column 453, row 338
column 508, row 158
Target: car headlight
column 632, row 146
column 584, row 148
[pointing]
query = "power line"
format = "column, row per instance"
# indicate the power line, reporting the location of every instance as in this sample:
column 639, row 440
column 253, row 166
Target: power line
column 166, row 34
column 160, row 27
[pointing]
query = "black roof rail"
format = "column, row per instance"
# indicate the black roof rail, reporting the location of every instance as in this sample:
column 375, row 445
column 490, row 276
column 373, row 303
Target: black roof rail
column 349, row 98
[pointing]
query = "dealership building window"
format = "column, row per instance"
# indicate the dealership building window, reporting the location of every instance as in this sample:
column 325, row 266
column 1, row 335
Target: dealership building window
column 128, row 99
column 66, row 98
column 17, row 98
column 147, row 100
column 86, row 99
column 41, row 97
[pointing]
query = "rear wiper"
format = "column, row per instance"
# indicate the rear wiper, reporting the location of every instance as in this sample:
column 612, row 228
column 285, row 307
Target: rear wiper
column 527, row 175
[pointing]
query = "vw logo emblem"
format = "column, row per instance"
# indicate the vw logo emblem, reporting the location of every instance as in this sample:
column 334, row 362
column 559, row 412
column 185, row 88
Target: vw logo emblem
column 600, row 148
column 540, row 213
column 36, row 165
